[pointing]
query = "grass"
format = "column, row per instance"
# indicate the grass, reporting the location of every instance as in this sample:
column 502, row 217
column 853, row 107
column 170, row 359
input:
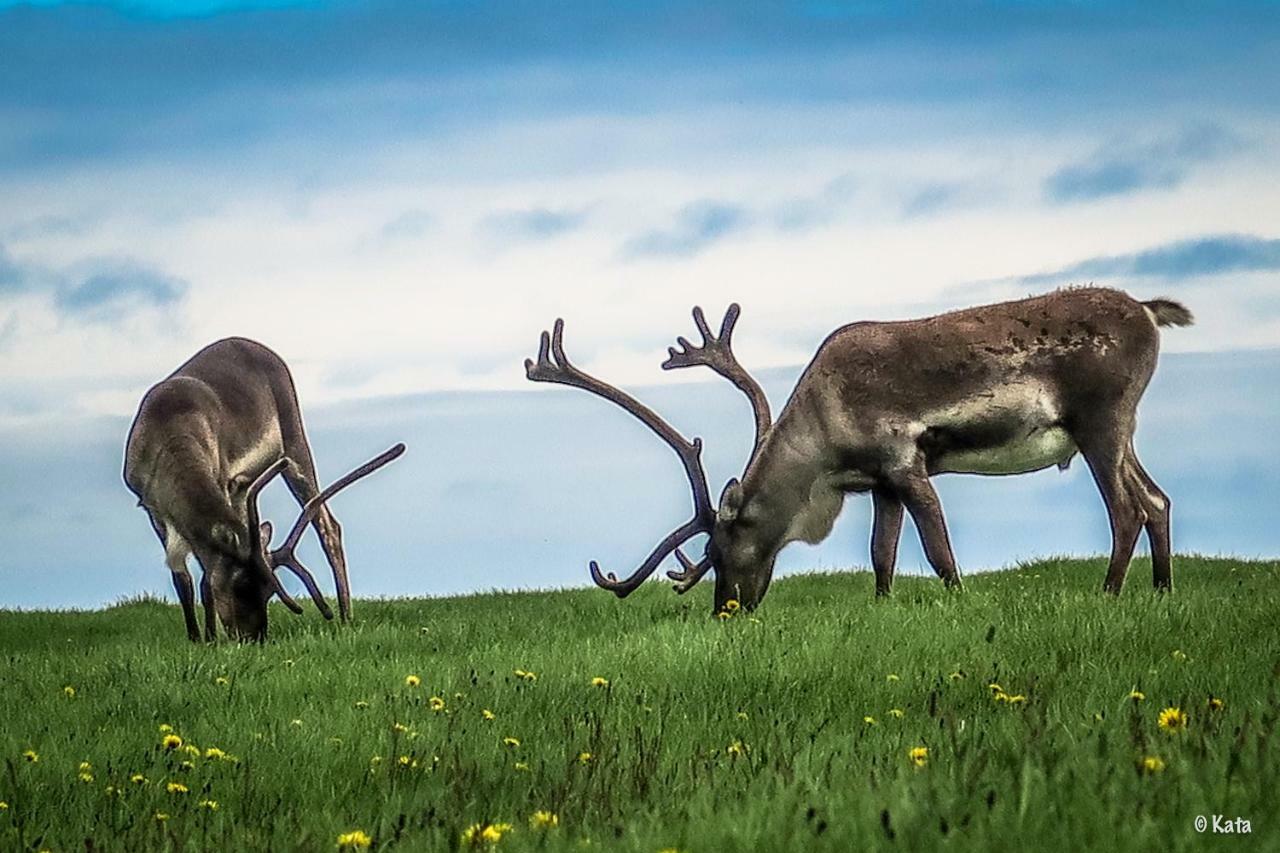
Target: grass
column 747, row 734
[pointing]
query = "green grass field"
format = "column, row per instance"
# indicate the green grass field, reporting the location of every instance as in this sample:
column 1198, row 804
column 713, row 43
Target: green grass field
column 788, row 730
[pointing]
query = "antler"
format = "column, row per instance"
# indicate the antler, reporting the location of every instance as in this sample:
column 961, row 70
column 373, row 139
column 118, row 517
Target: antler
column 251, row 496
column 285, row 556
column 716, row 352
column 554, row 366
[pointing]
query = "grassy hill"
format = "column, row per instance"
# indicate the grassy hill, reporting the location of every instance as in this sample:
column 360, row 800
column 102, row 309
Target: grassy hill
column 787, row 730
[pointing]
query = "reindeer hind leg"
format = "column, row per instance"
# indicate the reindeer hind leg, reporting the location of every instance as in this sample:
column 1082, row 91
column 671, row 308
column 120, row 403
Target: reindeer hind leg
column 1158, row 508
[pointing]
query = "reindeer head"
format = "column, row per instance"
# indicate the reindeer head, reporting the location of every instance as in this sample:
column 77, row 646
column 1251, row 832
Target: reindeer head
column 242, row 564
column 742, row 566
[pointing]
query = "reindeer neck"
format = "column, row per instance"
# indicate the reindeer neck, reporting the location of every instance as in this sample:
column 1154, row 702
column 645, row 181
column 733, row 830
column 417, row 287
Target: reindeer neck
column 783, row 488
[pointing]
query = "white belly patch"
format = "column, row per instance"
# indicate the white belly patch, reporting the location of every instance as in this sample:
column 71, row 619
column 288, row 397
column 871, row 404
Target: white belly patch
column 1040, row 449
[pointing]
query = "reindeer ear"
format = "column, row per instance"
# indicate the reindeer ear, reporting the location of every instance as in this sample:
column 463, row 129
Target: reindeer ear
column 264, row 534
column 239, row 483
column 730, row 502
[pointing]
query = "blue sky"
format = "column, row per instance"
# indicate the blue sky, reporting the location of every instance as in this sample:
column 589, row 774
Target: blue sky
column 398, row 197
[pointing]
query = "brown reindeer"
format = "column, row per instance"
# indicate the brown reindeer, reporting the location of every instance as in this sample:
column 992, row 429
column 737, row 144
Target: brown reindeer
column 999, row 389
column 206, row 440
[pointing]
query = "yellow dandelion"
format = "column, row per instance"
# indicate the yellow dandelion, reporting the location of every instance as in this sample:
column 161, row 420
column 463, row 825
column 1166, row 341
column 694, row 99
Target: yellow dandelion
column 599, row 682
column 85, row 767
column 995, row 688
column 485, row 833
column 732, row 605
column 215, row 753
column 412, row 681
column 511, row 742
column 209, row 805
column 869, row 720
column 297, row 723
column 85, row 776
column 4, row 807
column 361, row 704
column 404, row 760
column 1173, row 720
column 165, row 728
column 521, row 767
column 918, row 755
column 893, row 676
column 724, row 615
column 222, row 681
column 436, row 703
column 171, row 742
column 399, row 728
column 192, row 750
column 488, row 716
column 1152, row 764
column 896, row 713
column 585, row 757
column 356, row 839
column 1216, row 704
column 69, row 692
column 1137, row 696
column 186, row 765
column 31, row 756
column 736, row 748
column 1179, row 655
column 526, row 675
column 543, row 820
column 111, row 791
column 160, row 817
column 1015, row 699
column 176, row 788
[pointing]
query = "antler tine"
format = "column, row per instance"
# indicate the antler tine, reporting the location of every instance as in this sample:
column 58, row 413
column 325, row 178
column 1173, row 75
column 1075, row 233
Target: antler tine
column 716, row 352
column 693, row 572
column 553, row 365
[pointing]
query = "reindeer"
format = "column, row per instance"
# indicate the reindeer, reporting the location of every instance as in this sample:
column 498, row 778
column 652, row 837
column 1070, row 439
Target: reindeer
column 883, row 406
column 205, row 442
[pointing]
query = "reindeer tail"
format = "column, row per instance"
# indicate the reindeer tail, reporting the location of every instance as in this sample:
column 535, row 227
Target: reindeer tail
column 1167, row 312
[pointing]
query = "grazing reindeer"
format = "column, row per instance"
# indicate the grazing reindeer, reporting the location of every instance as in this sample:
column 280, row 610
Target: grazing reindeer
column 204, row 443
column 998, row 389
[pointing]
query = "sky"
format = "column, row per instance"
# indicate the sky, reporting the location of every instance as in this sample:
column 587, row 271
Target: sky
column 398, row 197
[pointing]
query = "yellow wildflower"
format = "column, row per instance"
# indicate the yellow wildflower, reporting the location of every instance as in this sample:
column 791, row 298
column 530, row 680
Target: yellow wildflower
column 511, row 742
column 543, row 820
column 732, row 605
column 869, row 720
column 599, row 682
column 405, row 761
column 86, row 776
column 585, row 757
column 893, row 676
column 165, row 728
column 176, row 788
column 289, row 661
column 737, row 748
column 487, row 715
column 1179, row 655
column 521, row 767
column 1137, row 695
column 192, row 750
column 186, row 765
column 412, row 681
column 214, row 752
column 69, row 692
column 138, row 779
column 297, row 723
column 111, row 791
column 1216, row 704
column 160, row 816
column 742, row 715
column 919, row 755
column 1173, row 720
column 171, row 742
column 995, row 688
column 353, row 840
column 724, row 615
column 1152, row 764
column 4, row 807
column 896, row 713
column 85, row 767
column 399, row 728
column 31, row 756
column 527, row 676
column 361, row 704
column 485, row 833
column 222, row 681
column 436, row 703
column 956, row 676
column 211, row 805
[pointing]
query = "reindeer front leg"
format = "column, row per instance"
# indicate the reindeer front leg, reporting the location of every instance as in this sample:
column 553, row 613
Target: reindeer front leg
column 886, row 530
column 920, row 499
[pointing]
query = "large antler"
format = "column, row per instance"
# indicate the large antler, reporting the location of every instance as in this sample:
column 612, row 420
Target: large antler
column 716, row 352
column 554, row 366
column 285, row 554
